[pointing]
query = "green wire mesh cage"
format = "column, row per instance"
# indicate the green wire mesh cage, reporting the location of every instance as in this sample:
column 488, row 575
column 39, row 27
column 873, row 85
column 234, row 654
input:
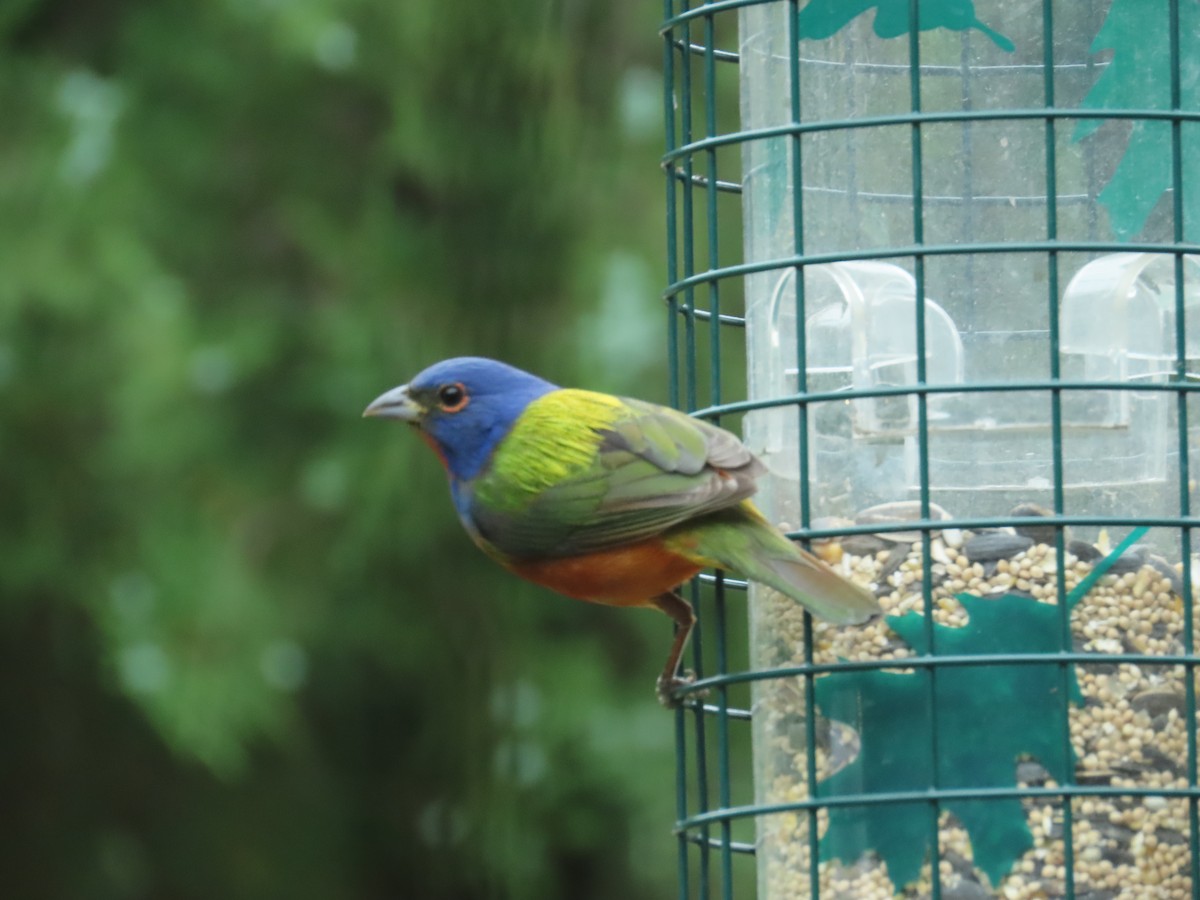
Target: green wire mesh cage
column 948, row 253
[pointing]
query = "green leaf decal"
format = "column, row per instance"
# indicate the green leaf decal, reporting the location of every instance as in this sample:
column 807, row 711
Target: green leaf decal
column 988, row 717
column 1139, row 77
column 824, row 18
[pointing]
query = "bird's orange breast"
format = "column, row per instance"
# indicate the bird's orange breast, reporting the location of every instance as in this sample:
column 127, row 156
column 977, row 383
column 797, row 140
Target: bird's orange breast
column 624, row 576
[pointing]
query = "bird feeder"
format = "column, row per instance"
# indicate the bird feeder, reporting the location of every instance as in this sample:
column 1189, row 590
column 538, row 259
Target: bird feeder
column 971, row 283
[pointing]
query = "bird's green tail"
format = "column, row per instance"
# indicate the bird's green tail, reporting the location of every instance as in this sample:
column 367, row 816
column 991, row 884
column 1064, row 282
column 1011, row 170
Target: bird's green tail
column 740, row 540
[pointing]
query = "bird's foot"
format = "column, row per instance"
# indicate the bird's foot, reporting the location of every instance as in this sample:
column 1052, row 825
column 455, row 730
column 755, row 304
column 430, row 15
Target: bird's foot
column 667, row 685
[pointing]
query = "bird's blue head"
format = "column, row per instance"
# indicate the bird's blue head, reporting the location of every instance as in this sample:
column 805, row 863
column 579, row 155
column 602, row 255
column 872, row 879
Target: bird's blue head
column 463, row 408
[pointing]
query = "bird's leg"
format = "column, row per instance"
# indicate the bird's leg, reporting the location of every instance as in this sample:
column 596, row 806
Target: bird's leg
column 681, row 611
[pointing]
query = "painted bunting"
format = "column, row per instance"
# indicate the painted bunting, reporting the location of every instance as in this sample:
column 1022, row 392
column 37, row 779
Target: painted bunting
column 605, row 498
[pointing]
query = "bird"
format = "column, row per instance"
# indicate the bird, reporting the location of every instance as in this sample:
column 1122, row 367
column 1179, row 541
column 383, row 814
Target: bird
column 607, row 499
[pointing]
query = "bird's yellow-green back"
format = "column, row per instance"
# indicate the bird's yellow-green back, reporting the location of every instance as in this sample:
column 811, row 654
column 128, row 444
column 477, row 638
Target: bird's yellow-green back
column 580, row 471
column 556, row 439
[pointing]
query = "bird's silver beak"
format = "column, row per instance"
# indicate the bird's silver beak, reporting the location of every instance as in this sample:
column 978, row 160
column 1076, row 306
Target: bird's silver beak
column 395, row 404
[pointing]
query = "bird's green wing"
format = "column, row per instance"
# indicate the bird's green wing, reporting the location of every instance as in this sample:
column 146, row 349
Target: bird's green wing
column 582, row 471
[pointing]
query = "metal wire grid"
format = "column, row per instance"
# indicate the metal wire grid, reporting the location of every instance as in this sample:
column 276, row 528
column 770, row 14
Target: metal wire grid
column 705, row 725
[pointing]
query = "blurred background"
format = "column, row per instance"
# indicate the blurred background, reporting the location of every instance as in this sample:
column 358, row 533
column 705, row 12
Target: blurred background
column 245, row 648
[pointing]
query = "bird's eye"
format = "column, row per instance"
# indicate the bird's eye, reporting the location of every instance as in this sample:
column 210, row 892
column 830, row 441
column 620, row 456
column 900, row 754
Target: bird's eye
column 452, row 397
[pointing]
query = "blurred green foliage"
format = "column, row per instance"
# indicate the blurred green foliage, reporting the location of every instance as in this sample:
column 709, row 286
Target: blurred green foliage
column 245, row 649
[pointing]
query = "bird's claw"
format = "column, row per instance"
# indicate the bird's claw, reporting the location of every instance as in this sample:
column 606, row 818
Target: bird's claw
column 666, row 686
